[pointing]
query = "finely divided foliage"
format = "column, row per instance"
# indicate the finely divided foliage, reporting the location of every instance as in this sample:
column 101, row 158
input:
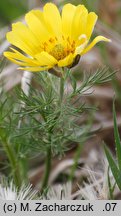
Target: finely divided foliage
column 45, row 118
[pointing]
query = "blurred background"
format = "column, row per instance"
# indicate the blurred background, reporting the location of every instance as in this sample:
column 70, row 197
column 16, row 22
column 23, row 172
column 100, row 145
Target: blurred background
column 104, row 54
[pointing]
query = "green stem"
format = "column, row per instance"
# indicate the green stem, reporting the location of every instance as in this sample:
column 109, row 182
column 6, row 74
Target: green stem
column 13, row 162
column 61, row 89
column 76, row 159
column 49, row 156
column 23, row 169
column 47, row 171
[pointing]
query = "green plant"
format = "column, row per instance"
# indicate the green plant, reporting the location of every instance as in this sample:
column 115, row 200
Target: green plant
column 115, row 165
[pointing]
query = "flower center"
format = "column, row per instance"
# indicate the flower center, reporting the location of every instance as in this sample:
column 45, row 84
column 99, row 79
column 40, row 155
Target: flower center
column 58, row 52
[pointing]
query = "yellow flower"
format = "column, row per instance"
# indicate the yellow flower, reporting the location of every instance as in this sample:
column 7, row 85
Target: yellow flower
column 51, row 39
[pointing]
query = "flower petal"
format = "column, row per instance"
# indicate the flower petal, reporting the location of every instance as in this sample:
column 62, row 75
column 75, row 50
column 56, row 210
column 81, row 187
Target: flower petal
column 79, row 21
column 22, row 37
column 66, row 61
column 34, row 69
column 67, row 18
column 80, row 48
column 12, row 59
column 46, row 59
column 36, row 22
column 53, row 19
column 91, row 21
column 20, row 59
column 92, row 44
